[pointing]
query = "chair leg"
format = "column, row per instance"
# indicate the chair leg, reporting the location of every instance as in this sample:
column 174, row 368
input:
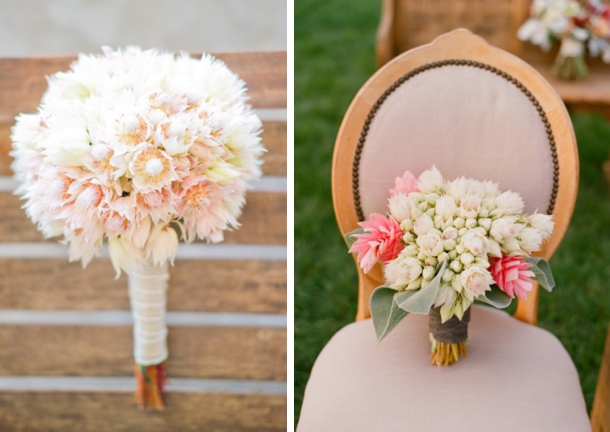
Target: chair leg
column 600, row 414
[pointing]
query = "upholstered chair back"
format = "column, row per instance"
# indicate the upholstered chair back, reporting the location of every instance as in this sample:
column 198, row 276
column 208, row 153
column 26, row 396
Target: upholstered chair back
column 469, row 109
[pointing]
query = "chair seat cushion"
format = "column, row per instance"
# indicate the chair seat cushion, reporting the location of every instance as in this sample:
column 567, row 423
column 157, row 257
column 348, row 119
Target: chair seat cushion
column 517, row 377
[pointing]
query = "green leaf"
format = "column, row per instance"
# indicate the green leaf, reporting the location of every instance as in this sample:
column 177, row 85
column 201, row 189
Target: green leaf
column 386, row 314
column 349, row 237
column 496, row 297
column 542, row 272
column 422, row 300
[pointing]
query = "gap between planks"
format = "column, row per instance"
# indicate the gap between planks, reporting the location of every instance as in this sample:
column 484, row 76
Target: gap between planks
column 122, row 318
column 185, row 251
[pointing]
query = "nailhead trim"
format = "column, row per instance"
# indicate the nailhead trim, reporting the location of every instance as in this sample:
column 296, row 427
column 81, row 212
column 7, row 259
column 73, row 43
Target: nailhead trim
column 434, row 65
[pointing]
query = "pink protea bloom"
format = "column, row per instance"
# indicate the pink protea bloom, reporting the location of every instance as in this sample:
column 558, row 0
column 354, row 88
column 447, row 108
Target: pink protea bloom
column 512, row 275
column 405, row 184
column 381, row 241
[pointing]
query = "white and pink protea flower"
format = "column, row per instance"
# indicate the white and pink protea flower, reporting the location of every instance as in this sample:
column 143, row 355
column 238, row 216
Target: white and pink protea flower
column 467, row 236
column 130, row 146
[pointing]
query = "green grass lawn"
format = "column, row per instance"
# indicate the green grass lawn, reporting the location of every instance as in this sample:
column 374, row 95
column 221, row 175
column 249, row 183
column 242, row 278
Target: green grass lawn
column 334, row 56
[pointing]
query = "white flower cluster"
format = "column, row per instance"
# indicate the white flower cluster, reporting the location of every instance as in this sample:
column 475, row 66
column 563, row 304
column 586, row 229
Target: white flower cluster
column 133, row 144
column 463, row 223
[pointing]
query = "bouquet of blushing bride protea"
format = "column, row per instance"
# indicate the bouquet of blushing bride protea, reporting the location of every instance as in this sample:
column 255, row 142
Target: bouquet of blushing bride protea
column 574, row 24
column 445, row 244
column 133, row 148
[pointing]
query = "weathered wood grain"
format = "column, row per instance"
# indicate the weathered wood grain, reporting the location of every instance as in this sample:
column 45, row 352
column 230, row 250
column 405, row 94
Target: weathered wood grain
column 194, row 285
column 22, row 80
column 116, row 412
column 263, row 221
column 195, row 352
column 274, row 140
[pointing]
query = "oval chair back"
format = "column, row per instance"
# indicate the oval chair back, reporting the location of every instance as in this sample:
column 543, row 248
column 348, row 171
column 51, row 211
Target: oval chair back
column 470, row 109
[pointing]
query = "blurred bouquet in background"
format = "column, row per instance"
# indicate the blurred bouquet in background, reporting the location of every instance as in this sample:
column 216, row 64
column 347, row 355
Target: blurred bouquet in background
column 577, row 25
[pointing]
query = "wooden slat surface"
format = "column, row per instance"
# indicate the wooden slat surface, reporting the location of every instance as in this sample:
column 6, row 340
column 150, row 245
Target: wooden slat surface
column 22, row 80
column 194, row 285
column 116, row 412
column 274, row 140
column 263, row 221
column 195, row 352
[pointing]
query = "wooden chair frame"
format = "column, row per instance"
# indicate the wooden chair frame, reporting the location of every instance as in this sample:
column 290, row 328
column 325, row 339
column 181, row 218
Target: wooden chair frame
column 459, row 44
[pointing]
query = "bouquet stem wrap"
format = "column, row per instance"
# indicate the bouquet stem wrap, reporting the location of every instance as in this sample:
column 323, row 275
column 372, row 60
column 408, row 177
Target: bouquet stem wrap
column 147, row 293
column 448, row 339
column 570, row 62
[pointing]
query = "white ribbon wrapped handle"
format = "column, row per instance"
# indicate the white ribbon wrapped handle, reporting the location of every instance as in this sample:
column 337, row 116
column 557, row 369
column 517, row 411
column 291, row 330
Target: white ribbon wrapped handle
column 147, row 293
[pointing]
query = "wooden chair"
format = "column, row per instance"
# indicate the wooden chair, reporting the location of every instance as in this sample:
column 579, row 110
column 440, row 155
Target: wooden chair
column 406, row 24
column 65, row 334
column 472, row 110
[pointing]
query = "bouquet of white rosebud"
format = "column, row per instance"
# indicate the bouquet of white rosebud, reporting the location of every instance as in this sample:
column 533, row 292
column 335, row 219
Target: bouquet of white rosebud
column 133, row 148
column 446, row 244
column 574, row 24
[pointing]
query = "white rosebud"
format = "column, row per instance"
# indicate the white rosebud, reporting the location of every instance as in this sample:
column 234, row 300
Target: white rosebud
column 438, row 223
column 446, row 207
column 485, row 223
column 431, row 261
column 443, row 256
column 447, row 275
column 416, row 284
column 475, row 242
column 410, row 251
column 450, row 234
column 449, row 245
column 456, row 266
column 458, row 223
column 462, row 231
column 408, row 238
column 494, row 248
column 423, row 206
column 483, row 213
column 509, row 203
column 430, row 181
column 466, row 258
column 400, row 207
column 416, row 213
column 471, row 223
column 453, row 255
column 423, row 224
column 421, row 256
column 470, row 206
column 542, row 223
column 460, row 249
column 530, row 239
column 431, row 212
column 481, row 262
column 476, row 281
column 428, row 272
column 448, row 223
column 401, row 271
column 511, row 246
column 430, row 244
column 407, row 224
column 502, row 228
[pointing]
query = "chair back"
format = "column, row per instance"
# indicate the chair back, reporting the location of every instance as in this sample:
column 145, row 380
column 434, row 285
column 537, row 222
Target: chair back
column 470, row 109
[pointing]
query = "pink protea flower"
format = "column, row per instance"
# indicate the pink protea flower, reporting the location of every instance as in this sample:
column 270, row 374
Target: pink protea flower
column 381, row 241
column 405, row 184
column 512, row 275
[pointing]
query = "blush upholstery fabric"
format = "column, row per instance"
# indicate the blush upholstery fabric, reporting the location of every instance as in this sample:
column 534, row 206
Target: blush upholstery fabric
column 517, row 377
column 466, row 121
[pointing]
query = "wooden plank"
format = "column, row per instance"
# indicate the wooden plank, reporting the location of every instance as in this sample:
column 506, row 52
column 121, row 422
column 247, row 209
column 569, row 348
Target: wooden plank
column 274, row 140
column 263, row 221
column 195, row 285
column 115, row 412
column 22, row 80
column 195, row 352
